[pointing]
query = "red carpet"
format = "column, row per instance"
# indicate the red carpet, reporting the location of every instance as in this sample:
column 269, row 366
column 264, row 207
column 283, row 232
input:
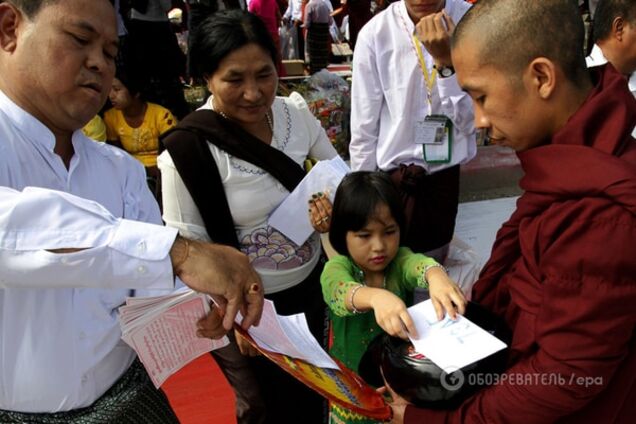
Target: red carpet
column 200, row 394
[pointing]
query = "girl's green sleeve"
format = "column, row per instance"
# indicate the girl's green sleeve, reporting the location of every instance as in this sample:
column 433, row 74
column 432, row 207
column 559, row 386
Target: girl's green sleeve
column 336, row 279
column 413, row 266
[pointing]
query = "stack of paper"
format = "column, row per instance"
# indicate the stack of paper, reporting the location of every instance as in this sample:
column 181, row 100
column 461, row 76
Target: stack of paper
column 451, row 345
column 289, row 335
column 162, row 330
column 291, row 218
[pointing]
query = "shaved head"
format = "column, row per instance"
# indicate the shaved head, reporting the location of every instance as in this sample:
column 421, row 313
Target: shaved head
column 512, row 33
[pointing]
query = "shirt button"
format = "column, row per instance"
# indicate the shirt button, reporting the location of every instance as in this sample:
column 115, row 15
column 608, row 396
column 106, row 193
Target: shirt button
column 141, row 246
column 141, row 269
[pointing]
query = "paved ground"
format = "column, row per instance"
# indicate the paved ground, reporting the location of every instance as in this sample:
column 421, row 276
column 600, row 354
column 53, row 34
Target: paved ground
column 493, row 173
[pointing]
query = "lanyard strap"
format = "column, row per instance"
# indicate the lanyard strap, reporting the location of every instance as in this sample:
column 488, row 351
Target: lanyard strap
column 428, row 78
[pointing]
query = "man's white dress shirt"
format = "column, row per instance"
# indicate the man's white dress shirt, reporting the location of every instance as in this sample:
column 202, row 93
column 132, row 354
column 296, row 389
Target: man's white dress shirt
column 597, row 58
column 294, row 10
column 389, row 95
column 60, row 346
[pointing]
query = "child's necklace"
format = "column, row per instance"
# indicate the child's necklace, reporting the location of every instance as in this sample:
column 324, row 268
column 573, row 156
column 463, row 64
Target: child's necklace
column 383, row 286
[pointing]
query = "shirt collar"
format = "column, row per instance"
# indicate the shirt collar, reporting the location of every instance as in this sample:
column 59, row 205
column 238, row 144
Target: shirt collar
column 25, row 123
column 596, row 57
column 31, row 128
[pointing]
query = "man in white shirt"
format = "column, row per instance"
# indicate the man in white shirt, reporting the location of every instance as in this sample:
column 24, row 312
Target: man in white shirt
column 294, row 14
column 614, row 32
column 410, row 118
column 78, row 230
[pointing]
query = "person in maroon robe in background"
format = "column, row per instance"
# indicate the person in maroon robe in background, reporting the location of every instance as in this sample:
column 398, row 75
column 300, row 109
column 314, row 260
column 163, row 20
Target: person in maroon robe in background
column 562, row 272
column 359, row 12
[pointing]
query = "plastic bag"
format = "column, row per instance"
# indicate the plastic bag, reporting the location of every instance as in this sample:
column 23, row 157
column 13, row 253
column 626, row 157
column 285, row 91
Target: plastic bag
column 463, row 265
column 328, row 98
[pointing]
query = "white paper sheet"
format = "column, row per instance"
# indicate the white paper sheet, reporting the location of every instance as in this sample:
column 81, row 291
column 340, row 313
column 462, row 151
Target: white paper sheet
column 289, row 335
column 450, row 344
column 291, row 218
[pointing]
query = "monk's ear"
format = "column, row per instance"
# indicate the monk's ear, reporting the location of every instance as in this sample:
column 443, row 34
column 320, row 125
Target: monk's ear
column 618, row 28
column 540, row 77
column 10, row 20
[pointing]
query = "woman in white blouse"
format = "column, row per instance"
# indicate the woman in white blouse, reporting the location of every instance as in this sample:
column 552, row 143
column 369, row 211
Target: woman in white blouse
column 234, row 53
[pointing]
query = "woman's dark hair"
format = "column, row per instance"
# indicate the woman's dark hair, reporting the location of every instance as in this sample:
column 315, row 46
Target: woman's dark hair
column 223, row 33
column 357, row 198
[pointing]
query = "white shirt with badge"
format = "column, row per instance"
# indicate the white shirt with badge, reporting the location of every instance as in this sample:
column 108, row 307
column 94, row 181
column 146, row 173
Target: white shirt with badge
column 61, row 345
column 395, row 118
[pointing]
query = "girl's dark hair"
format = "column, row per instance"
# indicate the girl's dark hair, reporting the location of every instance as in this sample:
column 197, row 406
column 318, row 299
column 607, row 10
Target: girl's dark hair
column 131, row 80
column 223, row 33
column 356, row 202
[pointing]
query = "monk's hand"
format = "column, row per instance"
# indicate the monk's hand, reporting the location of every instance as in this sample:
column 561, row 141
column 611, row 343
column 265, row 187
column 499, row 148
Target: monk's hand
column 224, row 273
column 397, row 403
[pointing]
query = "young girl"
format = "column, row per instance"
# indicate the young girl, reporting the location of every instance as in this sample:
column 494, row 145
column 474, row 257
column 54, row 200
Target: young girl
column 366, row 285
column 133, row 124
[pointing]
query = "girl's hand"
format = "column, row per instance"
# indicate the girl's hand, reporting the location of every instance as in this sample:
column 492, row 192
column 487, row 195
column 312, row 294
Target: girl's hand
column 320, row 212
column 391, row 314
column 445, row 293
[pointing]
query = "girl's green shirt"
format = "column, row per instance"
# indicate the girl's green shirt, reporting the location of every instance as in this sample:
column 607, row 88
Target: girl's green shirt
column 353, row 332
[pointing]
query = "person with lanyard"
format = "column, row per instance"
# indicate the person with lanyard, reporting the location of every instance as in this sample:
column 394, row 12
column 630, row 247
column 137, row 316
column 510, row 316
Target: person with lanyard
column 410, row 118
column 80, row 231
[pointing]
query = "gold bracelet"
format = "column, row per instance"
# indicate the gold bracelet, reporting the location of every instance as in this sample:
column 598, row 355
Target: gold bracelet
column 177, row 265
column 353, row 292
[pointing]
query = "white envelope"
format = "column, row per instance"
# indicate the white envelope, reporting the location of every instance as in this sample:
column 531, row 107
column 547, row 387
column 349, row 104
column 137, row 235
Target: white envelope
column 291, row 217
column 451, row 345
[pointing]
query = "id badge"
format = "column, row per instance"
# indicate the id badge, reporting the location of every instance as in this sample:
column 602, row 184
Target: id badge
column 435, row 133
column 431, row 130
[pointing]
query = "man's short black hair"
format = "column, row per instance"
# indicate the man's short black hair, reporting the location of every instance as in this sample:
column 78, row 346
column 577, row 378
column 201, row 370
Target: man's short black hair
column 29, row 7
column 607, row 11
column 356, row 202
column 512, row 33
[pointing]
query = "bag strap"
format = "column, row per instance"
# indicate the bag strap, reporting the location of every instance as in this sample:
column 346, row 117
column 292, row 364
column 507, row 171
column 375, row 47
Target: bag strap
column 187, row 144
column 200, row 174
